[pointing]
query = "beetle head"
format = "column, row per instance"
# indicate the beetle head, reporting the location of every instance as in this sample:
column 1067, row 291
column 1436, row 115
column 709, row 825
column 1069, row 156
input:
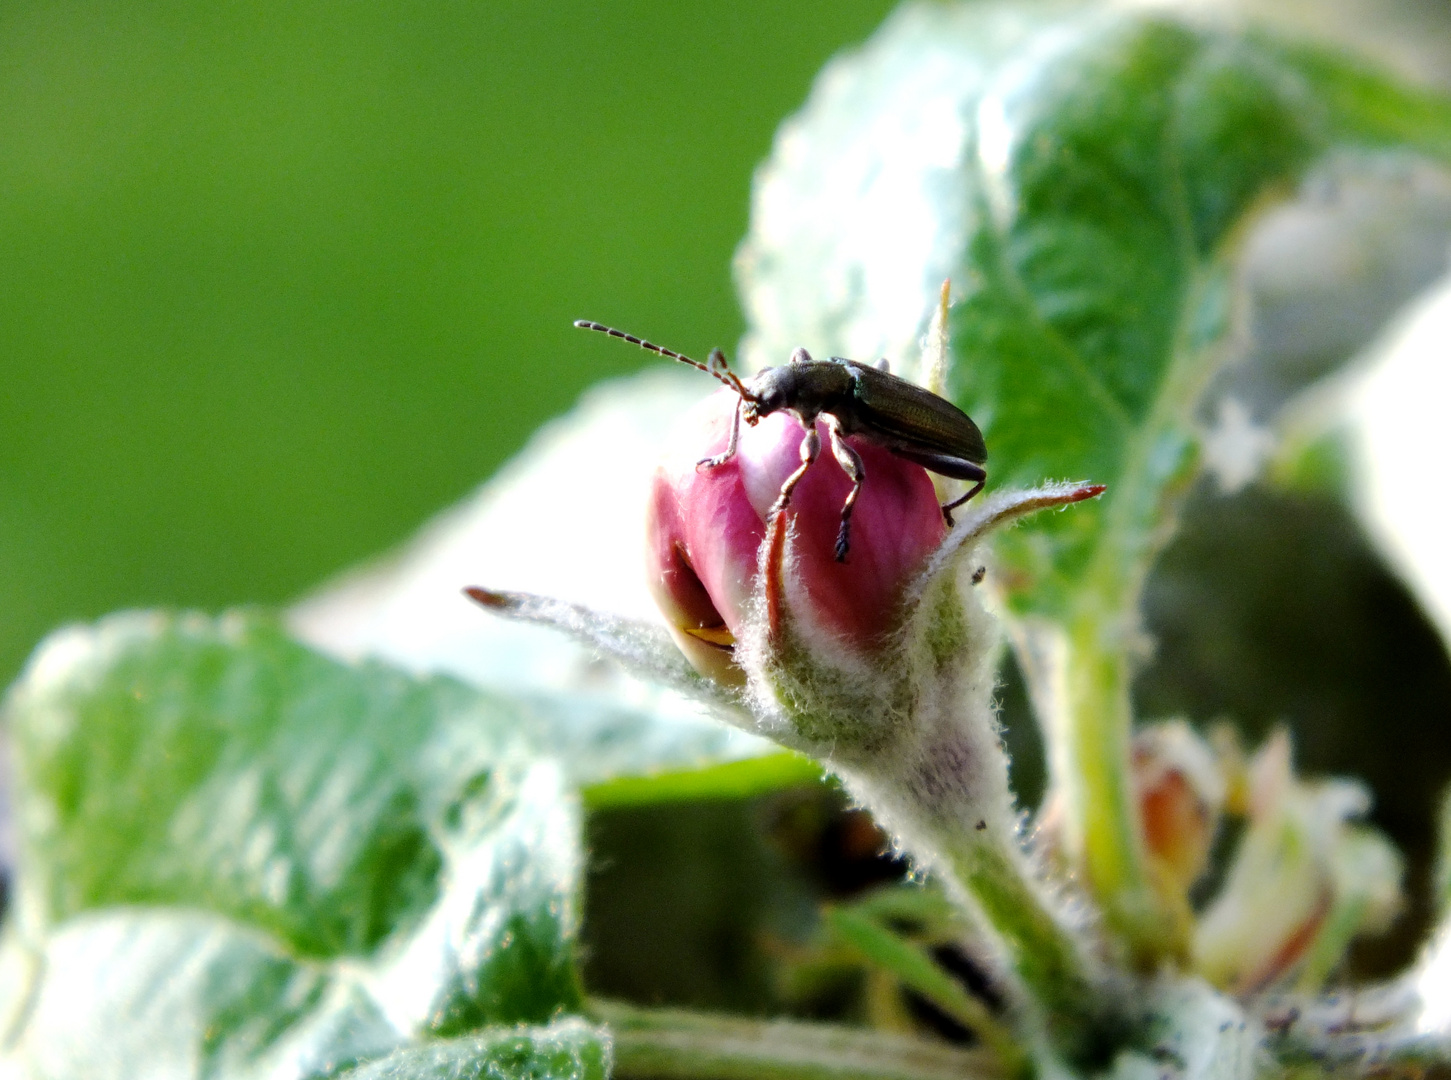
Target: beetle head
column 770, row 390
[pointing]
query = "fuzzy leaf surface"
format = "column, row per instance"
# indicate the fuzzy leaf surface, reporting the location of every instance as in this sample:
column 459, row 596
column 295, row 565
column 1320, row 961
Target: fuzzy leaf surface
column 567, row 1050
column 243, row 856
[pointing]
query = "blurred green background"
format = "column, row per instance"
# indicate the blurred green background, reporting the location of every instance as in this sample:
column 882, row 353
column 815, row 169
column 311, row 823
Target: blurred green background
column 280, row 280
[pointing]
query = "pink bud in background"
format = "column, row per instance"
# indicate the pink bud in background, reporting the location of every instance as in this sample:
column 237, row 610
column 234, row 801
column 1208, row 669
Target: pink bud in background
column 1180, row 791
column 706, row 526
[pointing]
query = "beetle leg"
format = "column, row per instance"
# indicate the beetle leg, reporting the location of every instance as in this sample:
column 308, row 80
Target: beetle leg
column 810, row 447
column 730, row 450
column 851, row 463
column 955, row 503
column 958, row 468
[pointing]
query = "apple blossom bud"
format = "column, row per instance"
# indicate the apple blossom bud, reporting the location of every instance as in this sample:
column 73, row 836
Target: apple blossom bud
column 1180, row 787
column 1180, row 792
column 1303, row 882
column 706, row 525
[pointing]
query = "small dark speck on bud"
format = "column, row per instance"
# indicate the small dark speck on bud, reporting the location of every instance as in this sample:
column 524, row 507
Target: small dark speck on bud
column 981, row 825
column 979, row 574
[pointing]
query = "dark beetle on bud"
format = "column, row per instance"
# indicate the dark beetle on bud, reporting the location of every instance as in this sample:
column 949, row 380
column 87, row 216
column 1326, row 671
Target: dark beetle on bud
column 850, row 399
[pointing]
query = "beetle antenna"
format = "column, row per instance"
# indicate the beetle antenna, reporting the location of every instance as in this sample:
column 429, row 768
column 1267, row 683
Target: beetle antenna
column 718, row 368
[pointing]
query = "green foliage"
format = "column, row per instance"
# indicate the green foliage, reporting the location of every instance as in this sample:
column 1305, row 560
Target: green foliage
column 141, row 991
column 186, row 761
column 911, row 964
column 1127, row 157
column 728, row 780
column 1119, row 172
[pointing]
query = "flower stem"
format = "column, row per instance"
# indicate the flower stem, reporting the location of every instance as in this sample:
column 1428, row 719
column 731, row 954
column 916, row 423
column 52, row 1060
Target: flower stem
column 1097, row 740
column 1075, row 1015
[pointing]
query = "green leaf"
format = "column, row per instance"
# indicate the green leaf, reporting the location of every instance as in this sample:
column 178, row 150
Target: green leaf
column 1108, row 182
column 1087, row 180
column 129, row 993
column 565, row 1050
column 732, row 780
column 280, row 832
column 618, row 754
column 916, row 970
column 1365, row 106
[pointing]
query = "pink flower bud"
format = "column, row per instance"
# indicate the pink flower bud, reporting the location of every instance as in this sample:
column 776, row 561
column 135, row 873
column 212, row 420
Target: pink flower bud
column 706, row 526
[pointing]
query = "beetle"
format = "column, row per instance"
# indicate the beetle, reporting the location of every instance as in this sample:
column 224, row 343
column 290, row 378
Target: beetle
column 851, row 398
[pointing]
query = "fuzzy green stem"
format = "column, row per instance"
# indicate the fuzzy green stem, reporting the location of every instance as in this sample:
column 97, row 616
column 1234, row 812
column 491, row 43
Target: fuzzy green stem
column 1076, row 1016
column 1097, row 738
column 674, row 1043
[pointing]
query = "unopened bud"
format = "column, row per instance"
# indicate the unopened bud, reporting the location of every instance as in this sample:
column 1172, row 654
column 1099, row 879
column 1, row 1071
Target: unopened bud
column 1304, row 880
column 1180, row 791
column 707, row 524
